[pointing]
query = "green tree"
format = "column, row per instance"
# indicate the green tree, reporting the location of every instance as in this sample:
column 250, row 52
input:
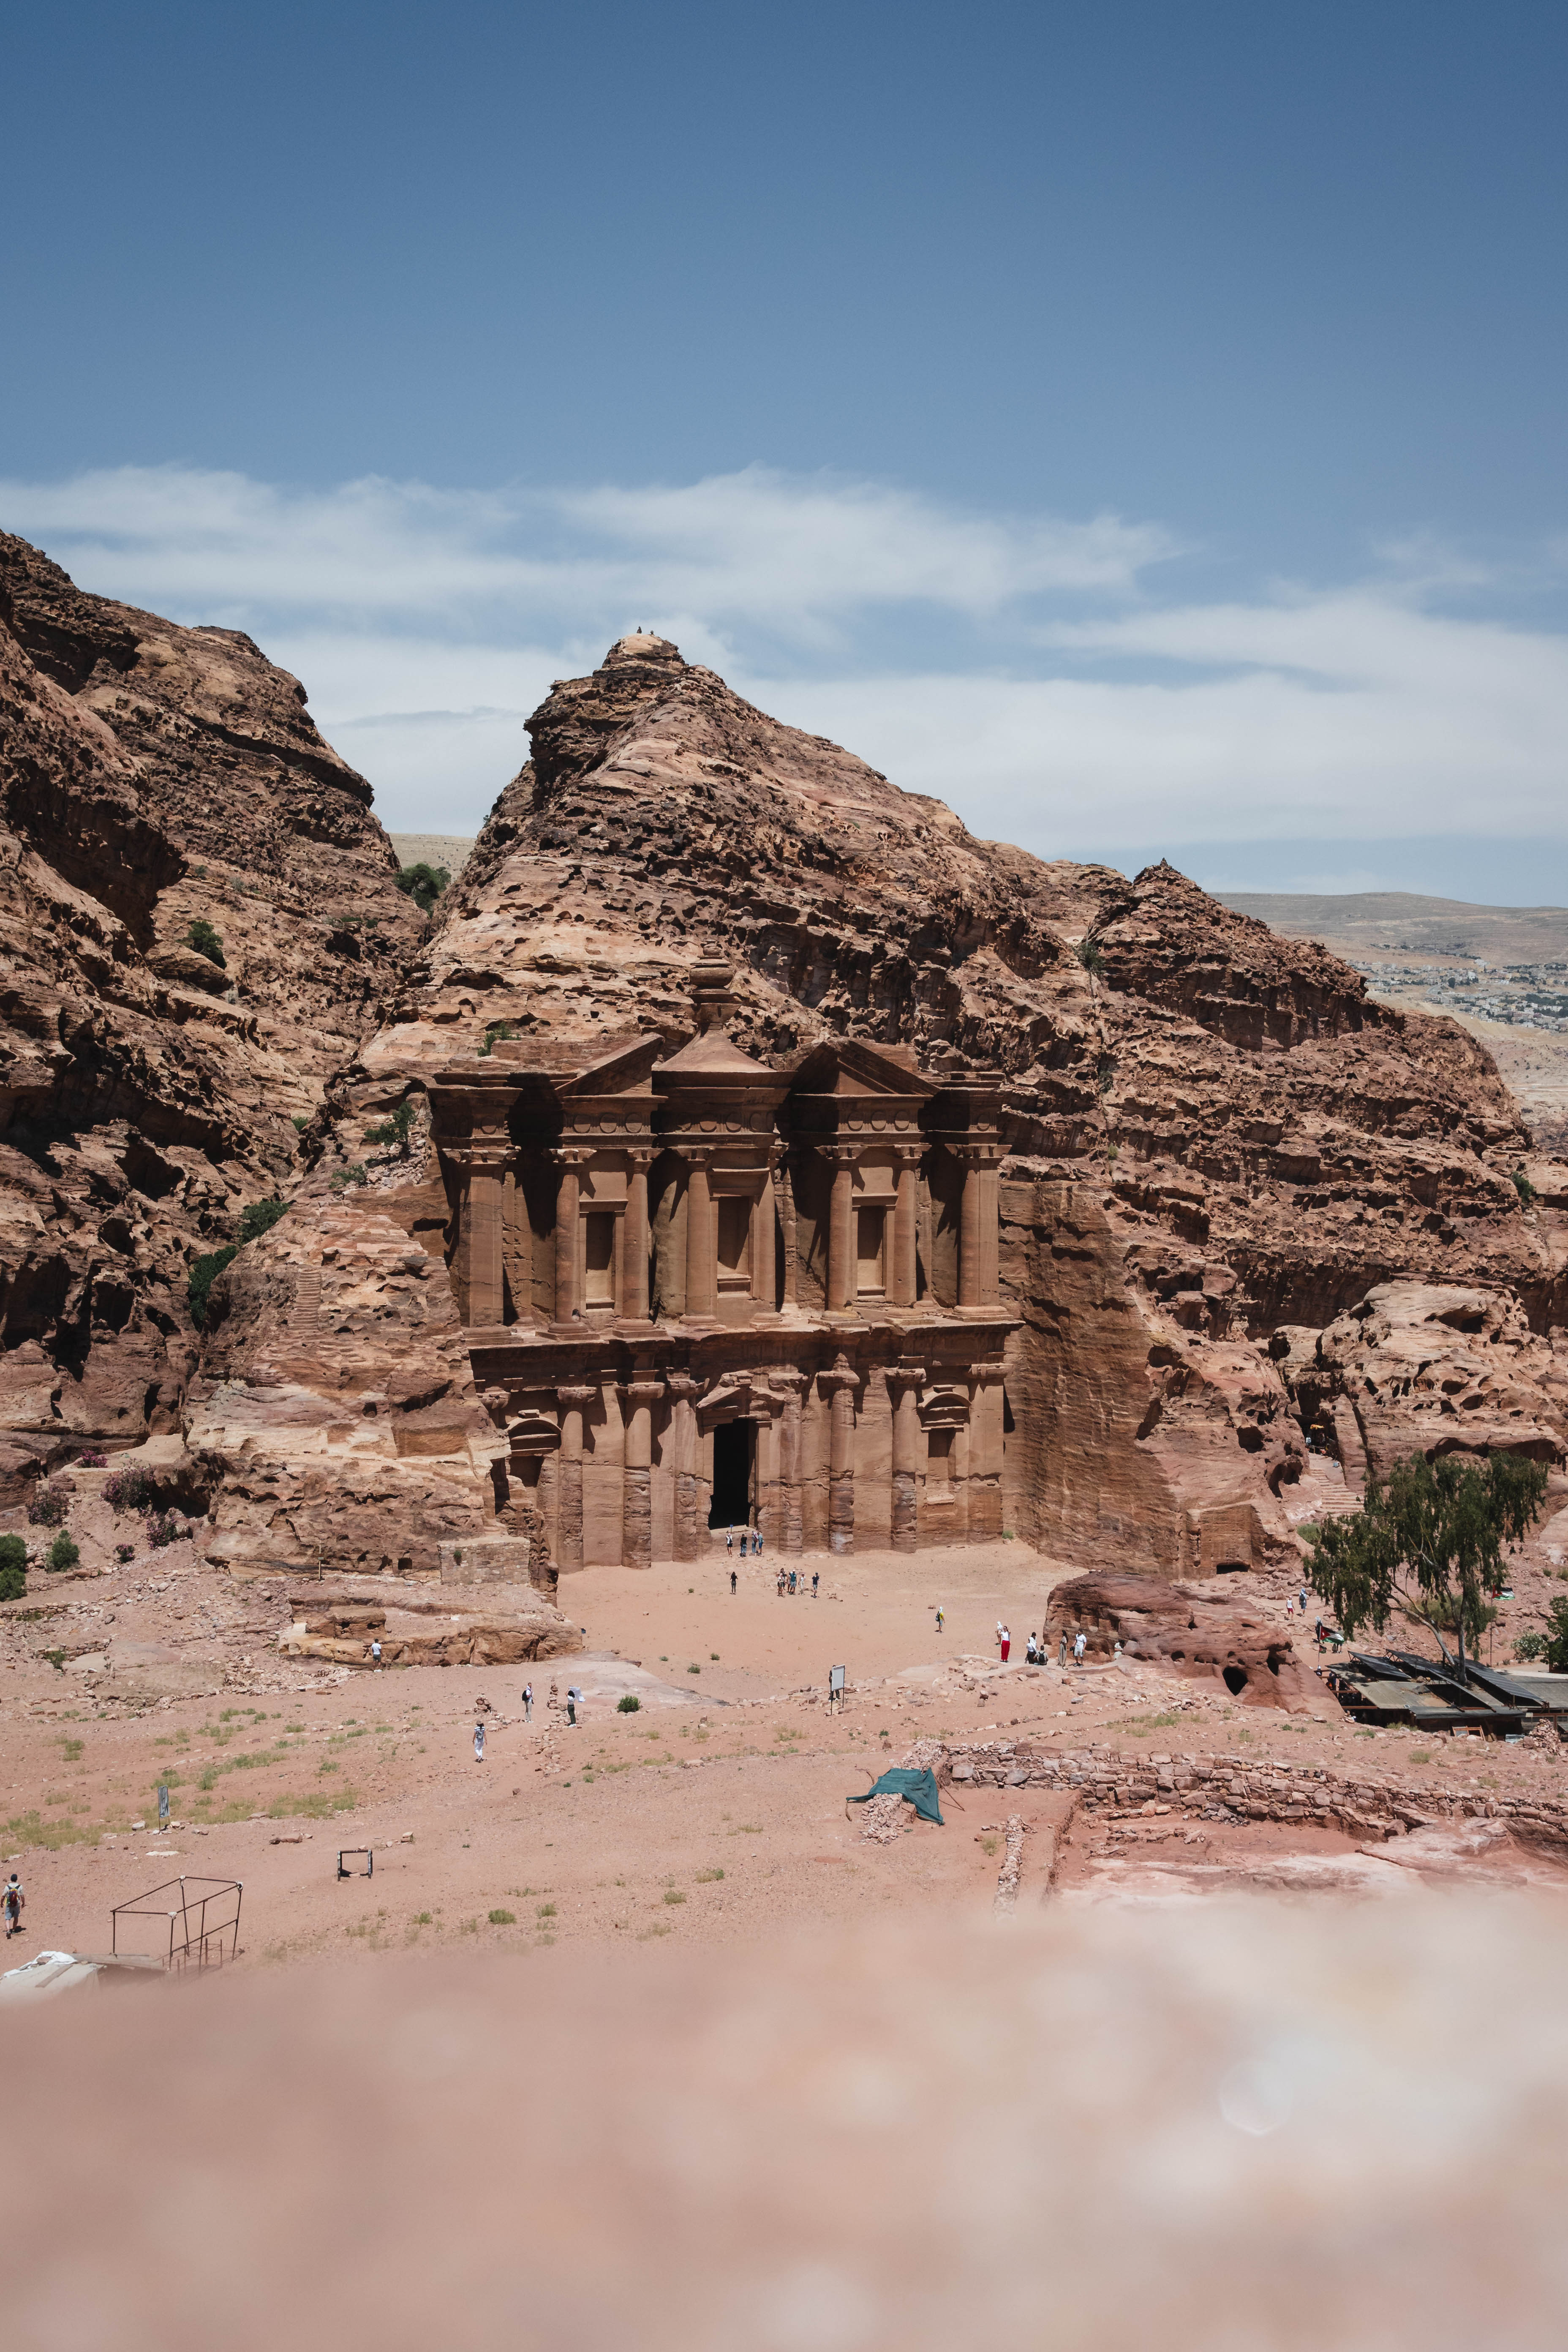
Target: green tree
column 1551, row 1647
column 63, row 1553
column 206, row 943
column 496, row 1033
column 424, row 884
column 396, row 1129
column 13, row 1567
column 1429, row 1541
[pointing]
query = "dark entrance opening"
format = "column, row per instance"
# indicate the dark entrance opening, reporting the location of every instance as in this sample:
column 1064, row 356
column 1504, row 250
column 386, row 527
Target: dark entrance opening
column 1236, row 1680
column 731, row 1504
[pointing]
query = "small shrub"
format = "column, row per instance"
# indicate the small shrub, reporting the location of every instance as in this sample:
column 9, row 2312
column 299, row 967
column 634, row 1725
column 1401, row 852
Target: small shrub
column 694, row 1670
column 13, row 1567
column 47, row 1507
column 1523, row 1187
column 422, row 883
column 503, row 1918
column 544, row 1910
column 124, row 1553
column 163, row 1529
column 1529, row 1646
column 206, row 943
column 92, row 1460
column 128, row 1490
column 496, row 1033
column 201, row 1278
column 424, row 1918
column 396, row 1129
column 708, row 1877
column 259, row 1218
column 1089, row 955
column 64, row 1552
column 673, row 1895
column 629, row 1705
column 356, row 1174
column 298, row 1124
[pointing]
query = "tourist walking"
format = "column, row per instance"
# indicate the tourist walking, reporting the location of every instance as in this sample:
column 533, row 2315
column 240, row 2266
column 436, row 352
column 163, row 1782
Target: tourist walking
column 1062, row 1652
column 528, row 1702
column 15, row 1903
column 757, row 1545
column 728, row 1538
column 1081, row 1643
column 792, row 1579
column 815, row 1581
column 939, row 1620
column 375, row 1654
column 1006, row 1643
column 1303, row 1600
column 1031, row 1655
column 732, row 1584
column 573, row 1696
column 781, row 1584
column 478, row 1743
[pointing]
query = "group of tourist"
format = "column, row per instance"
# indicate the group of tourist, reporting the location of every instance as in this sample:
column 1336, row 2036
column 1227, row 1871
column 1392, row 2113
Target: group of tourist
column 796, row 1581
column 755, row 1533
column 1036, row 1651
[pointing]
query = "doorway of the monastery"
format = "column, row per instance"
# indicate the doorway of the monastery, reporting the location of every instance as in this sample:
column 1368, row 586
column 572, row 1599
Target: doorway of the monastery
column 734, row 1445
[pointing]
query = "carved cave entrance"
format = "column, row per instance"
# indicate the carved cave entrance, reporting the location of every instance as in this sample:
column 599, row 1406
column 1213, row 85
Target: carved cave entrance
column 735, row 1455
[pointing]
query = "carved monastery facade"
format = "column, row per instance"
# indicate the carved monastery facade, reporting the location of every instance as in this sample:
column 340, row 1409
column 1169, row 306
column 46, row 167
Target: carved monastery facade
column 718, row 1294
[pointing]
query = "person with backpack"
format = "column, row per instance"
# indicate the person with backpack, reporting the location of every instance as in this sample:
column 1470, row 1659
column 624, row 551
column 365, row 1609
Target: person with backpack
column 13, row 1903
column 528, row 1702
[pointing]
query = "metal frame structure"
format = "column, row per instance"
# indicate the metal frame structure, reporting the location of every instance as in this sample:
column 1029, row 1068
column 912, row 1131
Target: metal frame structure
column 197, row 1938
column 369, row 1854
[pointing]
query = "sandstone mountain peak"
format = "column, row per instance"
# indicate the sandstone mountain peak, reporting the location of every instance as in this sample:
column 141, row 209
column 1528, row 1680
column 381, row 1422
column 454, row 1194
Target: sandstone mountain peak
column 1215, row 1148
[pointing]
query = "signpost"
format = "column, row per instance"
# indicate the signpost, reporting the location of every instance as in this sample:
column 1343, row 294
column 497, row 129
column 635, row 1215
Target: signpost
column 162, row 1804
column 835, row 1688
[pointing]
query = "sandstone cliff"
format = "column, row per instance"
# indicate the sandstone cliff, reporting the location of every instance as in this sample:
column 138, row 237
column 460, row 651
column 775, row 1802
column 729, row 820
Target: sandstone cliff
column 1219, row 1148
column 1214, row 1132
column 152, row 776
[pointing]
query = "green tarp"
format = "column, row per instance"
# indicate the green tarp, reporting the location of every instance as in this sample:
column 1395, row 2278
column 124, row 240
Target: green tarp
column 920, row 1788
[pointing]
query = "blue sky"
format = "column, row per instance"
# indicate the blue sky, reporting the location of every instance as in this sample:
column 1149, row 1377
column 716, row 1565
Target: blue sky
column 1140, row 424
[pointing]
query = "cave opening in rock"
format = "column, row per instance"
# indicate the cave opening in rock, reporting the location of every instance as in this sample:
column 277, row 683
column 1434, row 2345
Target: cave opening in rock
column 1236, row 1680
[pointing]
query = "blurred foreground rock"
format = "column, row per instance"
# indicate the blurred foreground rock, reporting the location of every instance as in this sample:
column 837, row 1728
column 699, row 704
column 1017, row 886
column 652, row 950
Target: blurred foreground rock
column 1236, row 2124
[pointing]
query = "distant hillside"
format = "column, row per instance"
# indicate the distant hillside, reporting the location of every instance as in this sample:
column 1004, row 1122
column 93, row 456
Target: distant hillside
column 448, row 849
column 1367, row 925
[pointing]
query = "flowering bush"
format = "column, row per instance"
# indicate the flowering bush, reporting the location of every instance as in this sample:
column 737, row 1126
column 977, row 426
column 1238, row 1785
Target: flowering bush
column 92, row 1460
column 47, row 1507
column 127, row 1491
column 123, row 1552
column 163, row 1529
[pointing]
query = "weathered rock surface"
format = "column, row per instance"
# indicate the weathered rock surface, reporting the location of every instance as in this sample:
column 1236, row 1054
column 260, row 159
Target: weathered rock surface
column 151, row 775
column 437, row 1628
column 1428, row 1368
column 1215, row 1136
column 1213, row 1130
column 1200, row 1635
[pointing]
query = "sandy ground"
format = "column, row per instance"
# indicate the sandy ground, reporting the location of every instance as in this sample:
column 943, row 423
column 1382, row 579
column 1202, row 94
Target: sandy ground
column 715, row 1812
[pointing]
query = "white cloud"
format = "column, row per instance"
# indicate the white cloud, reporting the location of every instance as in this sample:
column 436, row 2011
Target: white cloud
column 426, row 623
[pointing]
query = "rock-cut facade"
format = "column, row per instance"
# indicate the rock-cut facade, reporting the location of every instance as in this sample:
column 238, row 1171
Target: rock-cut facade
column 717, row 1293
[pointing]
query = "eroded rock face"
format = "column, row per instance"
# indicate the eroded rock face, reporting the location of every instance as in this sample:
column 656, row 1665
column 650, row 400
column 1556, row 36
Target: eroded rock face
column 335, row 1412
column 1192, row 1633
column 151, row 775
column 1213, row 1130
column 437, row 1628
column 1429, row 1368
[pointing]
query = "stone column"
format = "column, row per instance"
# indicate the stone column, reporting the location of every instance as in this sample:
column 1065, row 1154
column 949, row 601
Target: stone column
column 683, row 1394
column 906, row 1210
column 969, row 1268
column 841, row 1385
column 792, row 1523
column 984, row 1481
column 636, row 1488
column 961, row 1484
column 568, row 1234
column 634, row 1238
column 702, row 1242
column 990, row 1229
column 770, row 1515
column 784, row 1190
column 479, row 1261
column 841, row 1230
column 517, row 1248
column 569, row 1521
column 904, row 1384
